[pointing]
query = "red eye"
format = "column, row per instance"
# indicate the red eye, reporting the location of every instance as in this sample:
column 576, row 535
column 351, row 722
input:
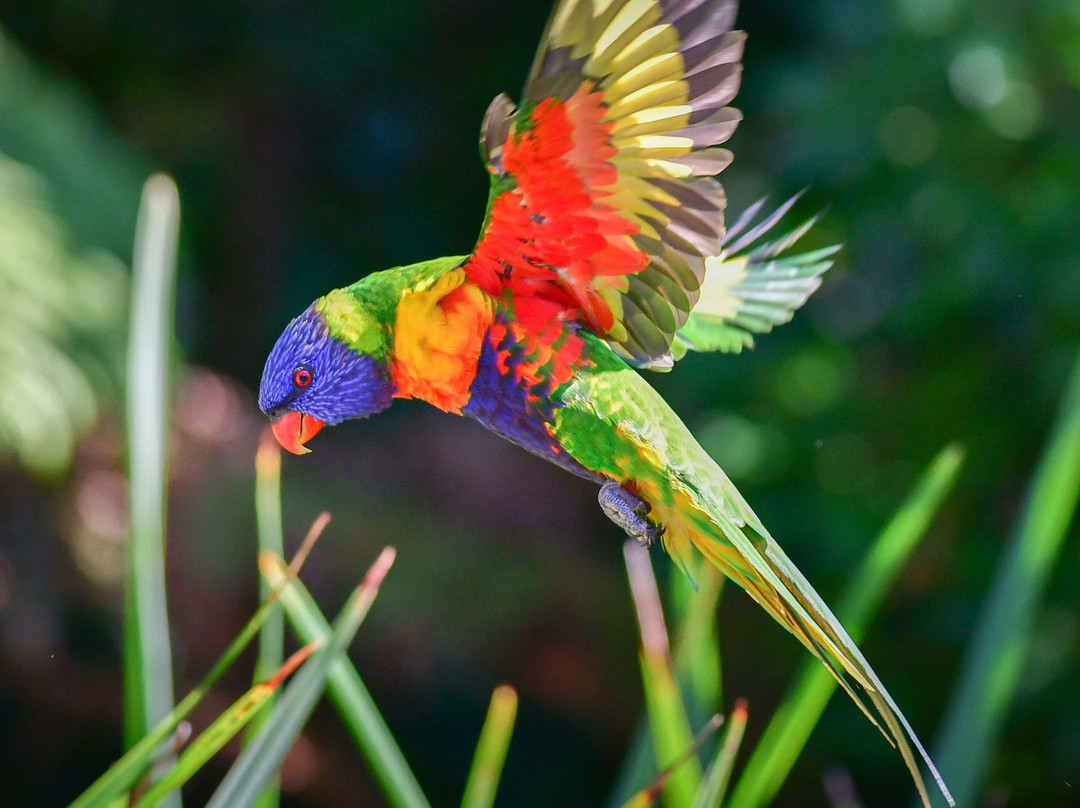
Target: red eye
column 302, row 377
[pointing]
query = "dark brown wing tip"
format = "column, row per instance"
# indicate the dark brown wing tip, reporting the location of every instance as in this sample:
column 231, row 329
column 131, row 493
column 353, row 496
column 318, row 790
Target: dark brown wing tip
column 496, row 126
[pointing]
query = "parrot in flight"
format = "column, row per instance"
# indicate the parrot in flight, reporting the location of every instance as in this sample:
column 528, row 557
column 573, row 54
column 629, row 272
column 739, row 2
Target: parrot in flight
column 603, row 251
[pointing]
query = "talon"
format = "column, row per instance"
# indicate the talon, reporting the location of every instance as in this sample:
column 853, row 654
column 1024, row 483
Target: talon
column 628, row 511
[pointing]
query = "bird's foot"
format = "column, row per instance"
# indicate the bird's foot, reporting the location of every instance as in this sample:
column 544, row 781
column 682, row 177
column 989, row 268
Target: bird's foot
column 629, row 511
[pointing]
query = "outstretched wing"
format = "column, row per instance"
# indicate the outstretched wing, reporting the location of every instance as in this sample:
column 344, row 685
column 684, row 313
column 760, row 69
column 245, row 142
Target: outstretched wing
column 603, row 206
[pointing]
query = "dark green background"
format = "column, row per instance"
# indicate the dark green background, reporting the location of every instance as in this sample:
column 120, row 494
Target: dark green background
column 314, row 142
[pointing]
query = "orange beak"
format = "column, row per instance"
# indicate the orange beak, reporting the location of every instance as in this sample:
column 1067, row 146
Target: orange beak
column 293, row 430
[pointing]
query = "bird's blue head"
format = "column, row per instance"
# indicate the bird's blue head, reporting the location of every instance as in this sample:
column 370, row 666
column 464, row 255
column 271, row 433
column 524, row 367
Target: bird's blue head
column 313, row 377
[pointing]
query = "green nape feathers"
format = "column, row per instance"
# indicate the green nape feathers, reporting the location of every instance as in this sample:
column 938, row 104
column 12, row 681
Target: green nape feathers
column 362, row 315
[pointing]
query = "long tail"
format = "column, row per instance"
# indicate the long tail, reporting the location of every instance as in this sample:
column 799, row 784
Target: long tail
column 732, row 538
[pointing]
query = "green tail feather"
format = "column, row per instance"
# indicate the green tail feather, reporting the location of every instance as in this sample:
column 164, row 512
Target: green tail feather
column 807, row 612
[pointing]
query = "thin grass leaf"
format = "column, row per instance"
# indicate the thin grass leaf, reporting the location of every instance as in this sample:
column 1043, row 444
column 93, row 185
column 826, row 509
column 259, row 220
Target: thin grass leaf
column 487, row 765
column 697, row 642
column 997, row 654
column 121, row 777
column 697, row 668
column 222, row 730
column 794, row 720
column 668, row 722
column 648, row 795
column 148, row 683
column 272, row 635
column 712, row 791
column 257, row 764
column 270, row 539
column 637, row 766
column 349, row 695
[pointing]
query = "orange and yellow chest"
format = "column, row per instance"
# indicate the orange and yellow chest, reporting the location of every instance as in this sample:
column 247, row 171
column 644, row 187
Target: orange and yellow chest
column 440, row 329
column 439, row 332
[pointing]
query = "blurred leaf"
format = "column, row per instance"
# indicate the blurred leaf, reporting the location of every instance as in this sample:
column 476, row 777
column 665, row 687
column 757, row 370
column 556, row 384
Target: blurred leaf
column 61, row 326
column 697, row 668
column 272, row 635
column 668, row 722
column 223, row 729
column 794, row 720
column 648, row 795
column 997, row 654
column 49, row 124
column 711, row 793
column 350, row 696
column 637, row 766
column 122, row 776
column 148, row 682
column 697, row 642
column 491, row 749
column 258, row 763
column 65, row 182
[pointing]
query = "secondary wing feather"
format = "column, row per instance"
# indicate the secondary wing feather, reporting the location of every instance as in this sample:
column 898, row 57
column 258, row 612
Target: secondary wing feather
column 753, row 286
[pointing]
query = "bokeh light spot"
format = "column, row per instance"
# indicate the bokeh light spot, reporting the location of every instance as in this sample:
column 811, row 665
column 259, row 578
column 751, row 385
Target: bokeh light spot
column 1019, row 113
column 978, row 76
column 99, row 528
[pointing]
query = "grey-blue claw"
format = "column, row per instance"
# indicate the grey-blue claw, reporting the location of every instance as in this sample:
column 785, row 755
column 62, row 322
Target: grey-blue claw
column 629, row 511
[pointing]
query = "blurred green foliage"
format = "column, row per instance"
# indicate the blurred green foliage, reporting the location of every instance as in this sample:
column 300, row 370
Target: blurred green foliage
column 314, row 142
column 64, row 188
column 63, row 313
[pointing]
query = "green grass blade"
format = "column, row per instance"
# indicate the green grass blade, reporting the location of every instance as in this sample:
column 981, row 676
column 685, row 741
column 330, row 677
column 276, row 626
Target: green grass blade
column 349, row 695
column 668, row 722
column 697, row 668
column 258, row 763
column 491, row 750
column 148, row 683
column 122, row 776
column 697, row 642
column 268, row 520
column 222, row 730
column 999, row 650
column 272, row 635
column 794, row 720
column 711, row 794
column 637, row 766
column 648, row 795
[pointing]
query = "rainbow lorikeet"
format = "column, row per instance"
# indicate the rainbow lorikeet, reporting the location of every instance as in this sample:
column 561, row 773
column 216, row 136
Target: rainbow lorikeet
column 603, row 250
